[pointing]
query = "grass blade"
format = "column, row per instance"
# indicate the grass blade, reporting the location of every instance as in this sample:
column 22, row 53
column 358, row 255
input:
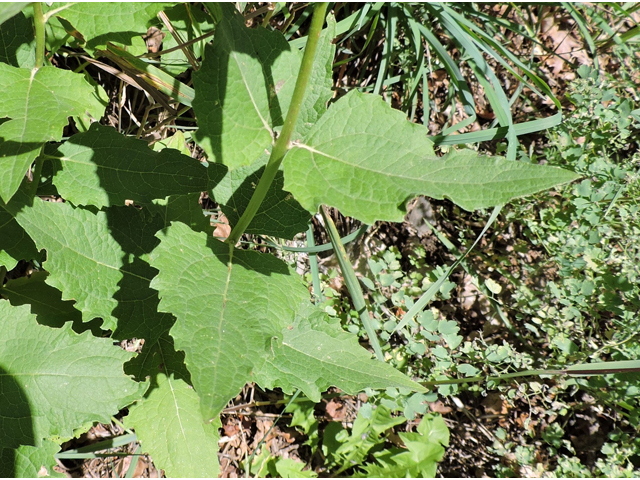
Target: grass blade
column 313, row 266
column 350, row 279
column 427, row 296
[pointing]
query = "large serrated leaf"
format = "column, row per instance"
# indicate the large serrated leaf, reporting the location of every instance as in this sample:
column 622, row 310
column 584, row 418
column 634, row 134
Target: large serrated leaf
column 168, row 421
column 54, row 380
column 311, row 344
column 102, row 167
column 318, row 91
column 279, row 215
column 38, row 108
column 45, row 301
column 242, row 90
column 83, row 259
column 98, row 261
column 234, row 309
column 30, row 462
column 367, row 160
column 8, row 10
column 184, row 209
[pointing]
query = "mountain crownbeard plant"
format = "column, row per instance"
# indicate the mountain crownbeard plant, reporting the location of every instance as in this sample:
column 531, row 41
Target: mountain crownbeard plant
column 114, row 230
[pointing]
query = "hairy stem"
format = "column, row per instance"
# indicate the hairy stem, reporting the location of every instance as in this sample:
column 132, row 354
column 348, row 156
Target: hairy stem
column 282, row 143
column 39, row 21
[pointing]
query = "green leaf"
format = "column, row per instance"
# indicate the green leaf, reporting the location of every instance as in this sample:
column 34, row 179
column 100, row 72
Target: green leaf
column 243, row 90
column 45, row 301
column 137, row 311
column 365, row 435
column 83, row 259
column 30, row 462
column 168, row 421
column 367, row 160
column 99, row 260
column 38, row 109
column 102, row 167
column 182, row 208
column 9, row 10
column 54, row 380
column 313, row 354
column 15, row 244
column 190, row 22
column 279, row 215
column 237, row 310
column 289, row 468
column 424, row 449
column 17, row 42
column 98, row 23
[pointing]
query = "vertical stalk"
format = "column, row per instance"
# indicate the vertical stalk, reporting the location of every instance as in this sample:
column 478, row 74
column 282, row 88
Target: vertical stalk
column 282, row 143
column 39, row 21
column 313, row 266
column 350, row 279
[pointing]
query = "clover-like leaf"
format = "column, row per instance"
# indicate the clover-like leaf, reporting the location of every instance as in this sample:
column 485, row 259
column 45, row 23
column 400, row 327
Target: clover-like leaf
column 238, row 310
column 54, row 380
column 38, row 108
column 366, row 159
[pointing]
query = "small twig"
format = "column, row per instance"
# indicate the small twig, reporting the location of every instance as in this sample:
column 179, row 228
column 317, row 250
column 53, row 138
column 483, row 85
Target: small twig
column 179, row 47
column 181, row 43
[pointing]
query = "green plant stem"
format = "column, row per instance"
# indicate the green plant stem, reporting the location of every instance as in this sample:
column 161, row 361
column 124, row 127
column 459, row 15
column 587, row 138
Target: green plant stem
column 282, row 143
column 350, row 279
column 313, row 267
column 39, row 21
column 576, row 371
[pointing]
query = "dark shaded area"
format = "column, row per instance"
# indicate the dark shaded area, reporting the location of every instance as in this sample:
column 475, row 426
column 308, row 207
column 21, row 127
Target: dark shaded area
column 16, row 427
